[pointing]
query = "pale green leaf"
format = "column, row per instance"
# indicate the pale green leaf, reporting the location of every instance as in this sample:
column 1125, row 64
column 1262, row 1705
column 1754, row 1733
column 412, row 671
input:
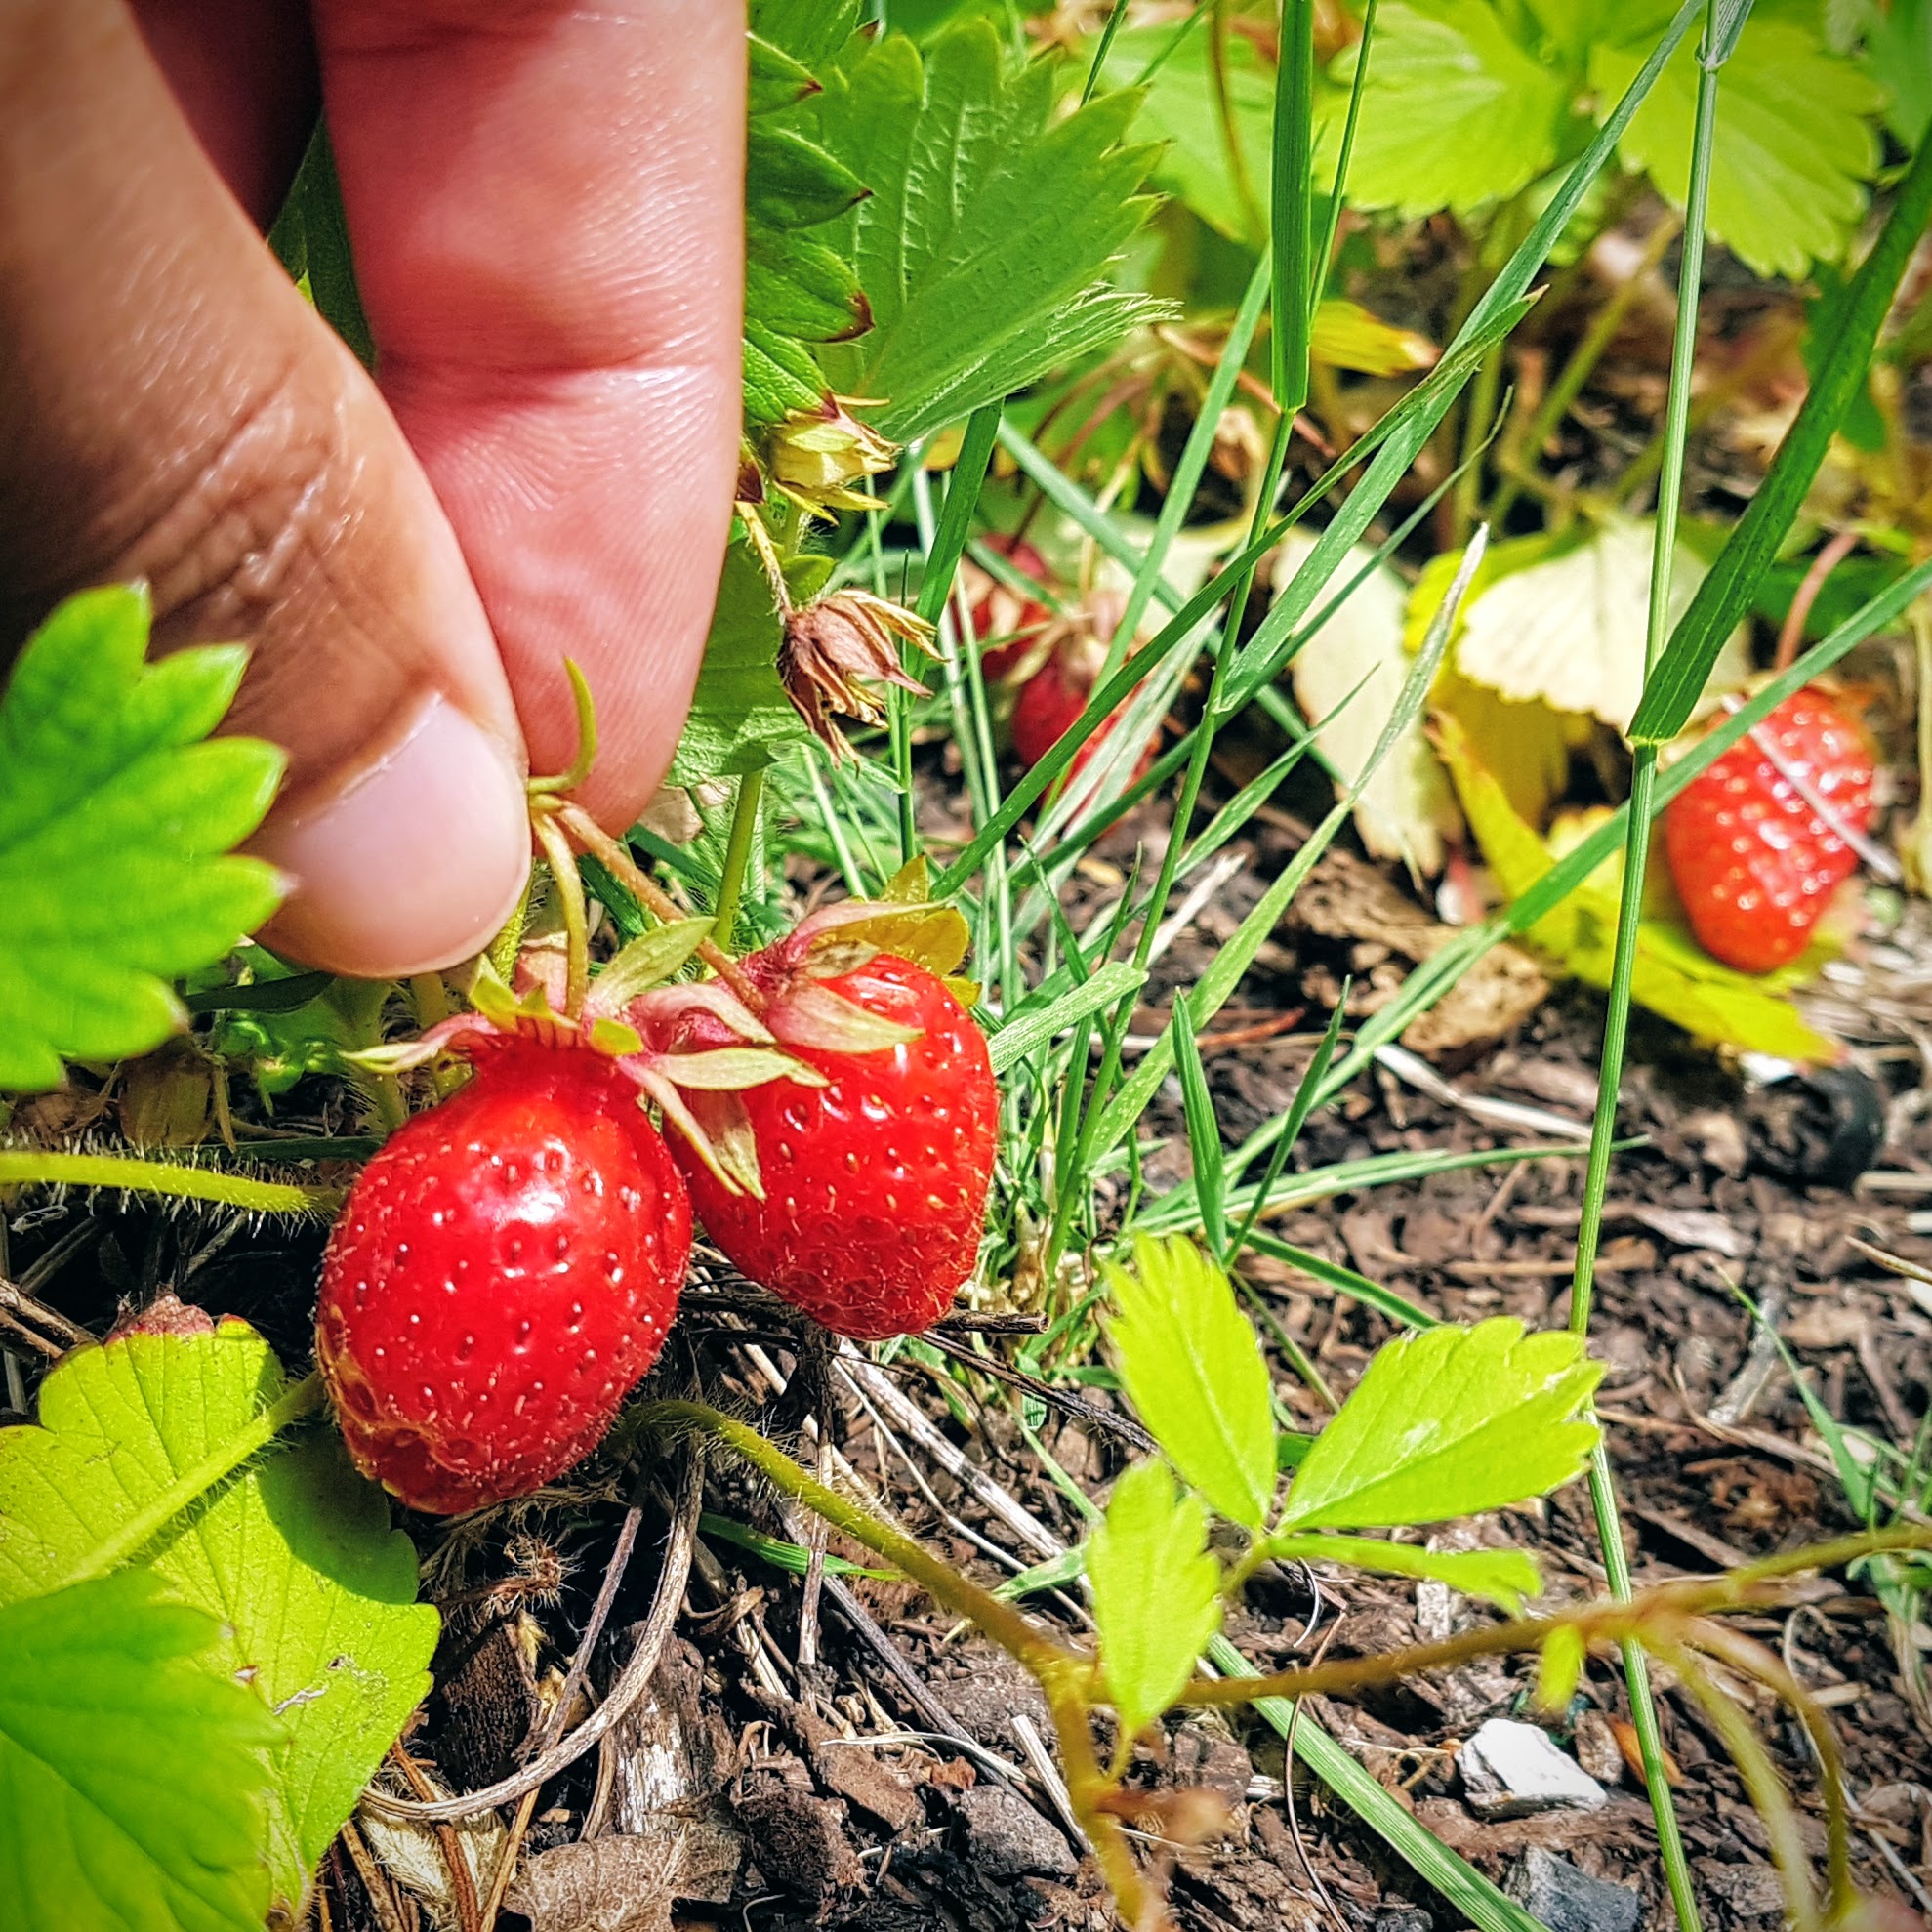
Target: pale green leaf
column 1156, row 1592
column 1195, row 1374
column 115, row 822
column 1795, row 140
column 294, row 1556
column 992, row 222
column 130, row 1772
column 1448, row 1423
column 740, row 718
column 1560, row 1668
column 1505, row 1578
column 1455, row 112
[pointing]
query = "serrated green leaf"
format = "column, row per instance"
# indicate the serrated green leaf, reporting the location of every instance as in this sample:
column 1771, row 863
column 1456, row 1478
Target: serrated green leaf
column 130, row 1772
column 1455, row 112
column 1795, row 140
column 114, row 826
column 1505, row 1578
column 990, row 225
column 1156, row 1592
column 809, row 32
column 294, row 1557
column 740, row 718
column 1195, row 1374
column 1448, row 1423
column 773, row 79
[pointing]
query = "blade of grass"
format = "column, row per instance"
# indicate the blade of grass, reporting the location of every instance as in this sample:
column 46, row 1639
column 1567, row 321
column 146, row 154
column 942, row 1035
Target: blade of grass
column 1296, row 1118
column 1234, row 958
column 1630, row 915
column 1726, row 593
column 1203, row 1131
column 1115, row 22
column 1292, row 212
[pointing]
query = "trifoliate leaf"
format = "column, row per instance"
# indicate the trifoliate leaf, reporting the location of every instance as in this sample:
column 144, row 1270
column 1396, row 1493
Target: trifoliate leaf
column 991, row 223
column 1505, row 1578
column 130, row 1772
column 740, row 718
column 294, row 1557
column 1794, row 141
column 1568, row 629
column 1156, row 1592
column 1192, row 1369
column 1450, row 1421
column 116, row 819
column 1347, row 678
column 799, row 289
column 1673, row 978
column 1455, row 112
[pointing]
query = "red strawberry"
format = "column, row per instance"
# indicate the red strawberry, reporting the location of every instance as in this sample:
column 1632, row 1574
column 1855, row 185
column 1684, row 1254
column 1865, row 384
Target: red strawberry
column 1757, row 844
column 1055, row 696
column 1005, row 622
column 504, row 1272
column 874, row 1184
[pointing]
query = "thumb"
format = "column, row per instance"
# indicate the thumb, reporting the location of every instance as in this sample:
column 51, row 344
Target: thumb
column 174, row 410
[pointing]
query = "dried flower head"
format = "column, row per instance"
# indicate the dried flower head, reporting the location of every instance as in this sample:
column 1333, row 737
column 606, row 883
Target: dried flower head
column 836, row 649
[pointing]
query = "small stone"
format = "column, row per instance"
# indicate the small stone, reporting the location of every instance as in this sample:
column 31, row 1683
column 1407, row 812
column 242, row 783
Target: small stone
column 1404, row 1918
column 1566, row 1900
column 1597, row 1749
column 1007, row 1838
column 1511, row 1769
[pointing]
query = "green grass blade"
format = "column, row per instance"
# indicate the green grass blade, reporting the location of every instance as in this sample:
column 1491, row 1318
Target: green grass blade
column 1727, row 592
column 1292, row 213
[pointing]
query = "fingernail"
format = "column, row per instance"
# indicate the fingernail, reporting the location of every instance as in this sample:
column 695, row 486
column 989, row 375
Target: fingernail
column 416, row 865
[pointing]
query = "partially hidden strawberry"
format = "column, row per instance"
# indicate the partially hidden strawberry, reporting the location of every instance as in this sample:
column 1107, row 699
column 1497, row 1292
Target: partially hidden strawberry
column 1003, row 620
column 504, row 1272
column 874, row 1185
column 1052, row 699
column 1760, row 841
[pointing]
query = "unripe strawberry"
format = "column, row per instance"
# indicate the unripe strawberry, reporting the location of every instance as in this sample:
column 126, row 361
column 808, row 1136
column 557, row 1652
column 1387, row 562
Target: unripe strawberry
column 504, row 1272
column 1760, row 841
column 1005, row 620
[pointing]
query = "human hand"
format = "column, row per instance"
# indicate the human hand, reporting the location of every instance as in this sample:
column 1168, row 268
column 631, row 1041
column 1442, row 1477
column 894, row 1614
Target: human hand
column 545, row 203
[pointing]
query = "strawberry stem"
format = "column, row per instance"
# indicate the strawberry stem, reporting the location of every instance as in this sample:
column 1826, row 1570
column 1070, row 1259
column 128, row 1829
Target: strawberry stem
column 615, row 854
column 569, row 884
column 178, row 1181
column 737, row 855
column 579, row 767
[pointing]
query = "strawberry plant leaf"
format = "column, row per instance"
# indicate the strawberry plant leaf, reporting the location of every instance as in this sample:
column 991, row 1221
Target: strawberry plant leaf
column 116, row 820
column 294, row 1556
column 800, row 290
column 1505, row 1578
column 1156, row 1592
column 1191, row 1367
column 740, row 716
column 1795, row 138
column 130, row 1772
column 990, row 228
column 1447, row 1423
column 1455, row 112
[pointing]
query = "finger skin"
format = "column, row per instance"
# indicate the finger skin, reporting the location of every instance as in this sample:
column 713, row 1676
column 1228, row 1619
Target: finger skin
column 170, row 408
column 545, row 202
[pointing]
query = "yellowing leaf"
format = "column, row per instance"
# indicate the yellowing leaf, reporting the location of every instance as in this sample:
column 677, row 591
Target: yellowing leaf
column 1406, row 810
column 1347, row 336
column 1673, row 978
column 1570, row 627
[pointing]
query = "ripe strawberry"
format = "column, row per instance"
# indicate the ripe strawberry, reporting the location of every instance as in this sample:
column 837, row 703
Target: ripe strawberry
column 874, row 1184
column 1754, row 859
column 1005, row 621
column 504, row 1272
column 1055, row 696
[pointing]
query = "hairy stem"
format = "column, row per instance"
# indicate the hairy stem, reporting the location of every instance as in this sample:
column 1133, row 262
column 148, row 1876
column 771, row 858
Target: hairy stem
column 737, row 857
column 130, row 1175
